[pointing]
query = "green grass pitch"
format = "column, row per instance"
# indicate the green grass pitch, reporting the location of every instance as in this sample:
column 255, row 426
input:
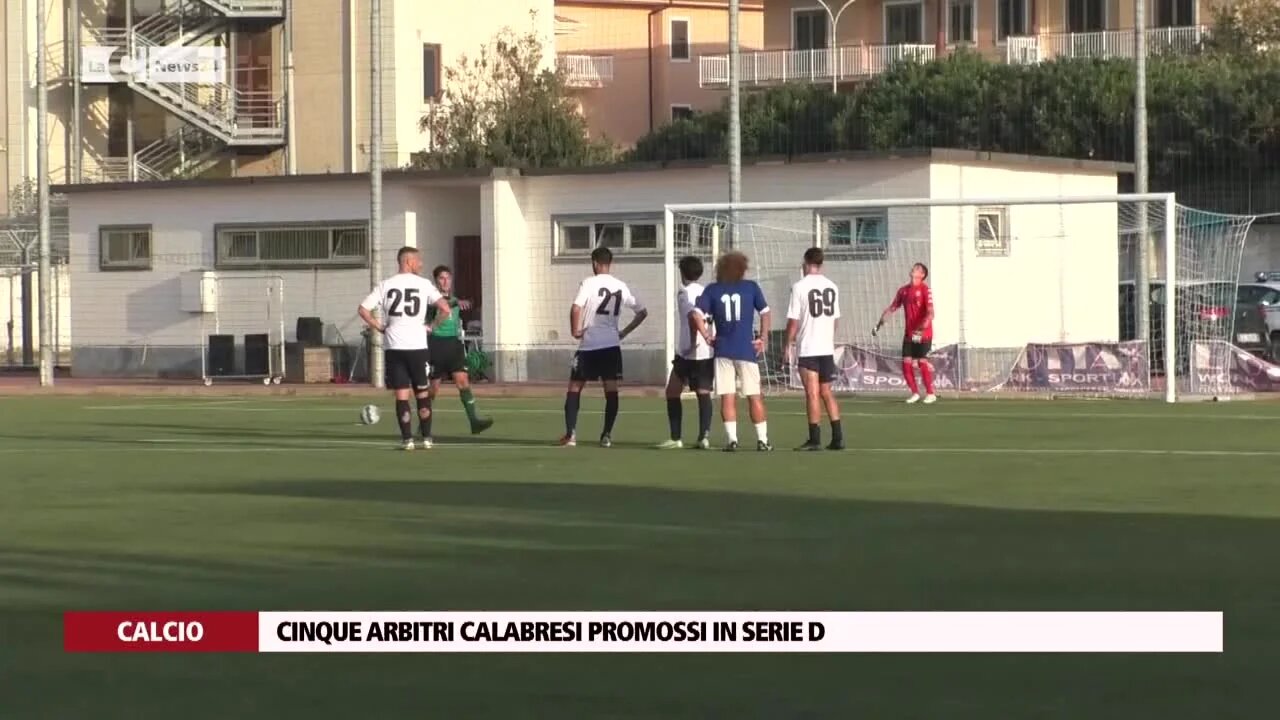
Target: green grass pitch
column 286, row 504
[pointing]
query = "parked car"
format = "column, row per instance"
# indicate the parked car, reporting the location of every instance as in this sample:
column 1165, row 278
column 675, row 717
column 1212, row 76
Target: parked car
column 1265, row 295
column 1205, row 310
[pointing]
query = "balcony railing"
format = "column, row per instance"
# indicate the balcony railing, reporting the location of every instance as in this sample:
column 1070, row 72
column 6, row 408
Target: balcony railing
column 586, row 71
column 854, row 62
column 1103, row 44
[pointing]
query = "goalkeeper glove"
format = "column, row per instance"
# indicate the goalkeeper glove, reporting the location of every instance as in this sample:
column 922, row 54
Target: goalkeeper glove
column 876, row 330
column 917, row 336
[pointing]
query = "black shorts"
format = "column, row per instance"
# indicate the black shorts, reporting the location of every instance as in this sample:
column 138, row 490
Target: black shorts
column 824, row 365
column 695, row 374
column 916, row 350
column 407, row 368
column 447, row 356
column 602, row 364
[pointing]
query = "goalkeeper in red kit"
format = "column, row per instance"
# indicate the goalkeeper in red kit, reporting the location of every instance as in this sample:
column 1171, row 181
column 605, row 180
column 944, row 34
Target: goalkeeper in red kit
column 916, row 301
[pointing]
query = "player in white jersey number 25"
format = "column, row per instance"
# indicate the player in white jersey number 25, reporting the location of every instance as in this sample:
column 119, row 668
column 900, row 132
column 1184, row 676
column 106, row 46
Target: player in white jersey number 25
column 593, row 322
column 811, row 332
column 404, row 299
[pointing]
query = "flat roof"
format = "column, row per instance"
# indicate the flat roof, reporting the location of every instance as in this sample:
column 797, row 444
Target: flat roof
column 475, row 175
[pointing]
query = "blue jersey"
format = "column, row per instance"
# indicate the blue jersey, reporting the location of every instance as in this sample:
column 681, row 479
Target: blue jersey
column 732, row 307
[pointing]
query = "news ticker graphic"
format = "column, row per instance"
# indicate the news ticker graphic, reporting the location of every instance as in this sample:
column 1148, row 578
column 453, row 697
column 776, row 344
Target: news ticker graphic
column 645, row 632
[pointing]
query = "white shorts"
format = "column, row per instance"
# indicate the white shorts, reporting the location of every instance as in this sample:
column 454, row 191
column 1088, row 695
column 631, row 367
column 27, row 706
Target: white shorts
column 737, row 377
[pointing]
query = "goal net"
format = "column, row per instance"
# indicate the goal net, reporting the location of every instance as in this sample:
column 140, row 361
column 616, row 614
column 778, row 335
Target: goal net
column 1041, row 296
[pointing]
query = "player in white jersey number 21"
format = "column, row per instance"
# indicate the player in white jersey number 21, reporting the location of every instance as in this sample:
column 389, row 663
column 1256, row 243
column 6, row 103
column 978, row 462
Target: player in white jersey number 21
column 811, row 334
column 593, row 321
column 404, row 299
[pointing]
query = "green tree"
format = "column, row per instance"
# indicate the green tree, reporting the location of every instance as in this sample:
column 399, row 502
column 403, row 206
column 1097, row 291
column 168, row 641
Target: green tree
column 1246, row 27
column 505, row 108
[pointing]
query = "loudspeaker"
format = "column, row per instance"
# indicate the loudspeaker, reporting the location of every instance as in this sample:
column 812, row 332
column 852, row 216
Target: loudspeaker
column 310, row 331
column 221, row 355
column 257, row 355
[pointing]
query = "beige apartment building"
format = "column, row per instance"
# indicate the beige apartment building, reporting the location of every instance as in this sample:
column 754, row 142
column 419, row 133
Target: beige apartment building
column 634, row 63
column 827, row 41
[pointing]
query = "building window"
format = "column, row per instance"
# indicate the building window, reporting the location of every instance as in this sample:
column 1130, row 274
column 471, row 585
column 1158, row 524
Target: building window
column 124, row 247
column 904, row 23
column 960, row 22
column 809, row 29
column 681, row 112
column 624, row 235
column 991, row 236
column 680, row 49
column 1086, row 16
column 861, row 235
column 699, row 236
column 309, row 245
column 1175, row 13
column 431, row 73
column 1011, row 19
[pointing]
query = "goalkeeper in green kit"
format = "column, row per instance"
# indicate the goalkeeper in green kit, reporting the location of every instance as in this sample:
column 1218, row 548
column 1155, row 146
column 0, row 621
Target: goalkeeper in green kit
column 447, row 355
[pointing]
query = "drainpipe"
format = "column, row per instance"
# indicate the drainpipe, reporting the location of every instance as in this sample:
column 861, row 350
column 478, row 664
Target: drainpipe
column 649, row 33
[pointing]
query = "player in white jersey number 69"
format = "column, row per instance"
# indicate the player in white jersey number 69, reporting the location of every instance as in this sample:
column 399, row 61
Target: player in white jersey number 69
column 404, row 299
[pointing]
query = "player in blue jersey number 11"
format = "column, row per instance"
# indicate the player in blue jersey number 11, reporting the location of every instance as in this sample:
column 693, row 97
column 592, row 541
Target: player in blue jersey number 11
column 731, row 304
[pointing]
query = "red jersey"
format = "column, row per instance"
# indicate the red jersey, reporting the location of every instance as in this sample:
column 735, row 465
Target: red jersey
column 916, row 302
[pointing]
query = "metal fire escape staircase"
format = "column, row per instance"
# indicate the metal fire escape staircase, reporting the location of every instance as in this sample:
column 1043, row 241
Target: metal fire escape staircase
column 215, row 111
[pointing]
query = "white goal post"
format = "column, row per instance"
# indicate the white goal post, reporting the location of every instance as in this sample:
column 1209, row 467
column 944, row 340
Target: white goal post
column 1024, row 288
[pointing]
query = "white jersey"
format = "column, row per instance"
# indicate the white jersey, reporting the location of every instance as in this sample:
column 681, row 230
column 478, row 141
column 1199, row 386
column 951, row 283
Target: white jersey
column 691, row 345
column 815, row 305
column 404, row 299
column 602, row 298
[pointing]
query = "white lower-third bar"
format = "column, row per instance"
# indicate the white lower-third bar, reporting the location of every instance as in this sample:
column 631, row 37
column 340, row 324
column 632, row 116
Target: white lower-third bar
column 742, row 632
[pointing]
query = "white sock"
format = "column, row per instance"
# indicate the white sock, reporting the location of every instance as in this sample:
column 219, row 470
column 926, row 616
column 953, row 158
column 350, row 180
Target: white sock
column 762, row 432
column 731, row 429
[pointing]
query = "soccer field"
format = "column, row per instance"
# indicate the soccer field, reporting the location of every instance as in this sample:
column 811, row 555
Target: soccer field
column 262, row 503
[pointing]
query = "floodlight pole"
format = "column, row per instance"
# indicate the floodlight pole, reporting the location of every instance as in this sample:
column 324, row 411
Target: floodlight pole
column 376, row 363
column 42, row 194
column 1140, row 177
column 735, row 108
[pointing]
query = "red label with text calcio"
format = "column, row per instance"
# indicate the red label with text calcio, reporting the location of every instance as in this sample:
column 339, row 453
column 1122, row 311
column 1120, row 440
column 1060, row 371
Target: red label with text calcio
column 160, row 632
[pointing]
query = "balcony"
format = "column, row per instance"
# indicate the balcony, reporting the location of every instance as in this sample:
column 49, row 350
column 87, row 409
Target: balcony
column 842, row 64
column 586, row 71
column 1027, row 50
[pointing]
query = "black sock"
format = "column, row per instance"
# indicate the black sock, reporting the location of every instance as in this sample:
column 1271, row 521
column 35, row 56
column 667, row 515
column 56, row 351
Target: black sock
column 404, row 416
column 704, row 416
column 837, row 432
column 815, row 435
column 674, row 412
column 424, row 416
column 610, row 411
column 571, row 401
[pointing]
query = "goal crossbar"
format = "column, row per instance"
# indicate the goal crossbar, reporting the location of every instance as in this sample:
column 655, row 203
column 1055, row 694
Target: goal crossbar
column 1167, row 200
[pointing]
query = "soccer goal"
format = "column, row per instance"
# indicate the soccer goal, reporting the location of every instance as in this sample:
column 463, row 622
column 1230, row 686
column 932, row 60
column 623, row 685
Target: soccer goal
column 1060, row 296
column 242, row 333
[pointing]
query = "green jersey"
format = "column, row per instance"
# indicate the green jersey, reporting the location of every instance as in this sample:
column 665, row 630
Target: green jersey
column 450, row 328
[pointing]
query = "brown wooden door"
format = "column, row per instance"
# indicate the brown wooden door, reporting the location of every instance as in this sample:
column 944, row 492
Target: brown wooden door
column 466, row 274
column 253, row 67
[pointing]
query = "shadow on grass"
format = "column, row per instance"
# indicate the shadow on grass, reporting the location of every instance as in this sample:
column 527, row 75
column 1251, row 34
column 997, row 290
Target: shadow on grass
column 558, row 546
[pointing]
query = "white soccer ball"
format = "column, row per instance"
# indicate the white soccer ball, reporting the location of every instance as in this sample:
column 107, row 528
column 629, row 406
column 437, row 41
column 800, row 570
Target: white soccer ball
column 369, row 415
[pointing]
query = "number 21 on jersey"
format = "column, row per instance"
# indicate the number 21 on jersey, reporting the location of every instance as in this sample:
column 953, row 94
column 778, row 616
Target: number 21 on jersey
column 732, row 307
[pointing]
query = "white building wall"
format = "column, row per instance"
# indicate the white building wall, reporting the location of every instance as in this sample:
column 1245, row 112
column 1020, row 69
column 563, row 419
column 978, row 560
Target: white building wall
column 553, row 282
column 130, row 322
column 1059, row 281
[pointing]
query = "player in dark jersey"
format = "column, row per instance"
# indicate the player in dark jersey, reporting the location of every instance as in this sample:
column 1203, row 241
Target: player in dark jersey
column 916, row 301
column 447, row 355
column 732, row 302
